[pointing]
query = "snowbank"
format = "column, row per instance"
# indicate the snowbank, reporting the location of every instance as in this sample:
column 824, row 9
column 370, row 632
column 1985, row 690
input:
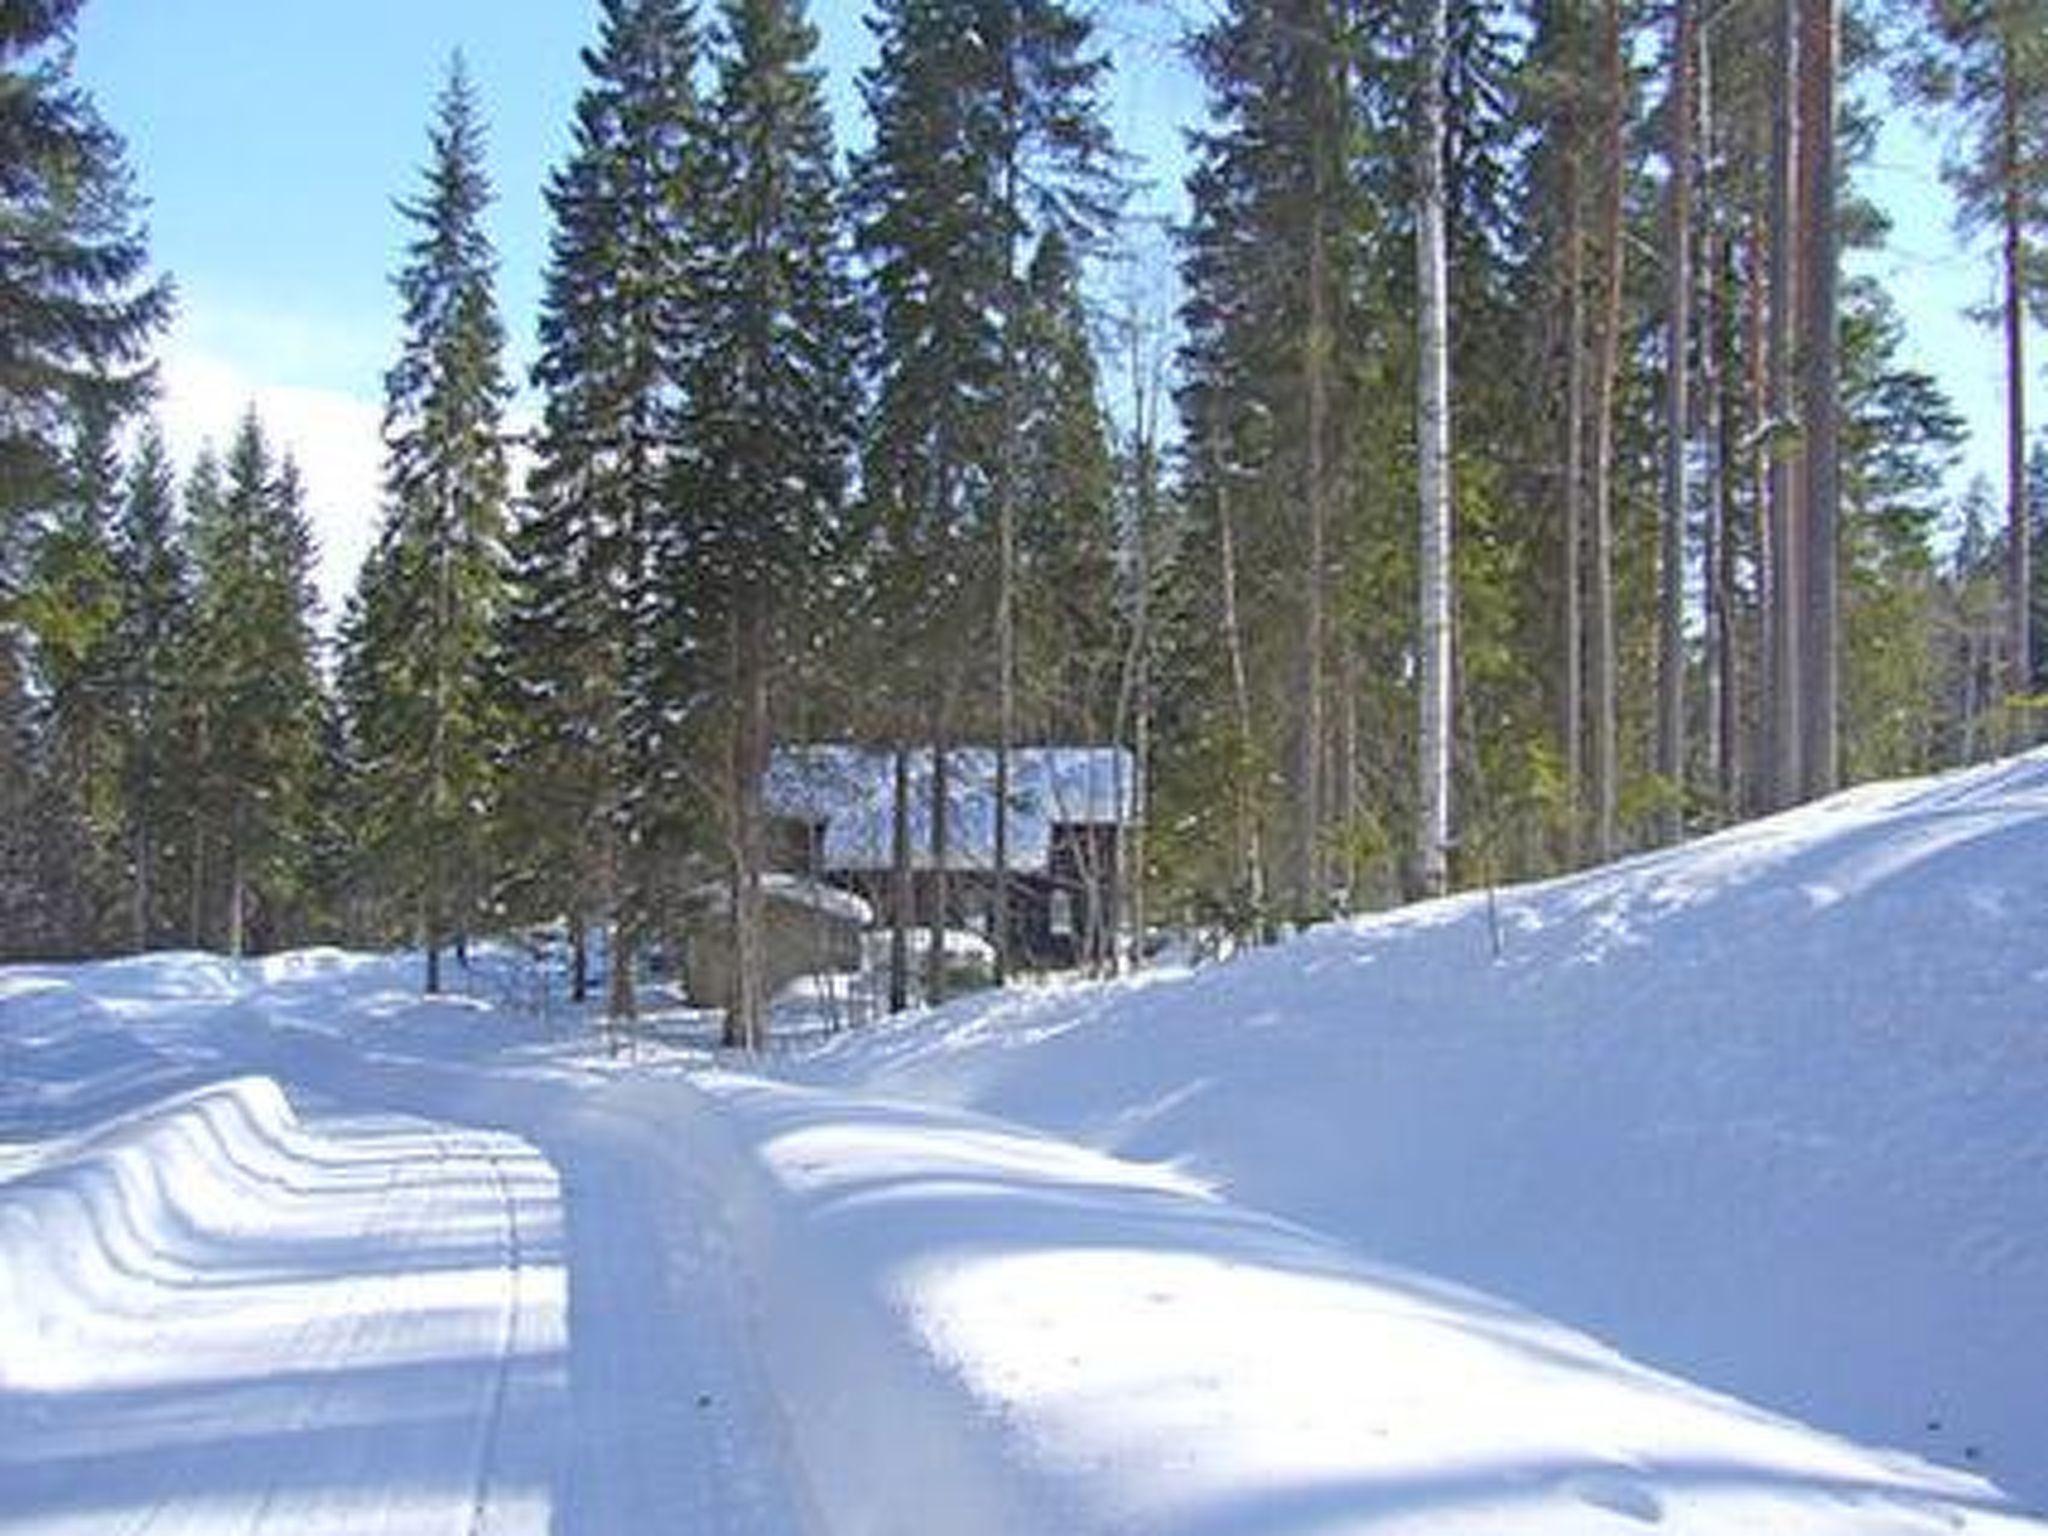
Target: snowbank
column 880, row 1433
column 976, row 1329
column 1765, row 1111
column 66, row 1061
column 215, row 1316
column 98, row 1225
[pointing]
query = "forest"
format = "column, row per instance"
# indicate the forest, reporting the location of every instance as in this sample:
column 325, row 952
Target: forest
column 1517, row 477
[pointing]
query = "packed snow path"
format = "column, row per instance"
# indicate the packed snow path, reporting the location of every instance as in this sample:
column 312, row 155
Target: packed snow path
column 218, row 1314
column 354, row 1330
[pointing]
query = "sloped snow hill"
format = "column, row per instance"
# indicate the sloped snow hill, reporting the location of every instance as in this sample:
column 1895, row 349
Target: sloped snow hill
column 1769, row 1110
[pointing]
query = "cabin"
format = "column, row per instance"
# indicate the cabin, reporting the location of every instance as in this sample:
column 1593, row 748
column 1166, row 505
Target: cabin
column 832, row 810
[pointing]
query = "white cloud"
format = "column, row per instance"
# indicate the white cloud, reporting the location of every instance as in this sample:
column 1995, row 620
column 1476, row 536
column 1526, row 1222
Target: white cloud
column 333, row 436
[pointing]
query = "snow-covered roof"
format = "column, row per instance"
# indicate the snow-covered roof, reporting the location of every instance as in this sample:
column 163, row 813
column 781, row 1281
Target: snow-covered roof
column 851, row 791
column 798, row 891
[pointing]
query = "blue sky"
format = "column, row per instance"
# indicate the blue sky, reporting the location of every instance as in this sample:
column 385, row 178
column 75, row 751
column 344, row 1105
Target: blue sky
column 272, row 139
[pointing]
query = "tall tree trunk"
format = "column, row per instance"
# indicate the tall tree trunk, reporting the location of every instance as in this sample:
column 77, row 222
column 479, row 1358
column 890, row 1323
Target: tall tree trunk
column 145, row 858
column 903, row 888
column 1347, row 770
column 1144, row 411
column 1723, row 636
column 1006, row 529
column 1308, row 745
column 1574, row 724
column 1006, row 730
column 1601, row 671
column 746, row 1021
column 1787, row 581
column 1717, row 585
column 437, row 764
column 2019, row 578
column 935, row 955
column 1677, row 431
column 621, row 1002
column 1759, row 761
column 1251, row 854
column 238, row 937
column 195, row 916
column 1821, row 414
column 1433, row 435
column 433, row 946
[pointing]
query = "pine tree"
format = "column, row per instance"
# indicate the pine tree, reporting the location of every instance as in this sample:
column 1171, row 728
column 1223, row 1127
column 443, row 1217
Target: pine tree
column 257, row 695
column 155, row 599
column 770, row 427
column 77, row 310
column 1982, row 66
column 1071, row 637
column 433, row 589
column 581, row 653
column 70, row 607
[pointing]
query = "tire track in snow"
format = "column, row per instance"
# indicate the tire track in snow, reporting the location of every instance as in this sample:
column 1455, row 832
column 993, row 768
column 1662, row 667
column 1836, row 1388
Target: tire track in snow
column 510, row 1311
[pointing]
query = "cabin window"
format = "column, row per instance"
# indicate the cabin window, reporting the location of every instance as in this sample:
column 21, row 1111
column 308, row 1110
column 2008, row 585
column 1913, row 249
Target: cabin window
column 1059, row 918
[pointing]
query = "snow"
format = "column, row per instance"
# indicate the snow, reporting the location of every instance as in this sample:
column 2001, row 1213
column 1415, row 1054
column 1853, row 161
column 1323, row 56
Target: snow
column 851, row 791
column 800, row 891
column 1715, row 1204
column 817, row 895
column 1765, row 1111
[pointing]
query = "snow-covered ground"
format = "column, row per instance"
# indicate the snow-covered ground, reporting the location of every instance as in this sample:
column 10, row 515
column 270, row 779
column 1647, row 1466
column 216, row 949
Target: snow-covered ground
column 1718, row 1201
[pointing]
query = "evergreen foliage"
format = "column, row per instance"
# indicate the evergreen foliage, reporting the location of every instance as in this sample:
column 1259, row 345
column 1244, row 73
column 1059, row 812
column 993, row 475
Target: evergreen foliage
column 599, row 793
column 430, row 593
column 256, row 699
column 77, row 308
column 154, row 581
column 78, row 311
column 1069, row 552
column 770, row 420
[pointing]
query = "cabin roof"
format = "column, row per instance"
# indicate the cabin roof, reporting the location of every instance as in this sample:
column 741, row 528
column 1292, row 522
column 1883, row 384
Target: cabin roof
column 849, row 792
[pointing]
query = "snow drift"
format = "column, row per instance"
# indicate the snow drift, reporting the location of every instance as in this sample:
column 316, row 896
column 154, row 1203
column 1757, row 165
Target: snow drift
column 97, row 1226
column 1769, row 1111
column 975, row 1328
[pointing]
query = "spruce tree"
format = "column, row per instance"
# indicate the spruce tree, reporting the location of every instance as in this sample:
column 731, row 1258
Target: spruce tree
column 770, row 421
column 155, row 597
column 69, row 607
column 1068, row 551
column 257, row 695
column 77, row 309
column 581, row 655
column 1056, row 180
column 1271, row 271
column 432, row 590
column 926, row 198
column 988, row 133
column 1901, row 439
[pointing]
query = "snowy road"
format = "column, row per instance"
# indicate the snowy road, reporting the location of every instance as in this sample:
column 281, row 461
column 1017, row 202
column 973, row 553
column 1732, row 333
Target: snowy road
column 490, row 1311
column 358, row 1329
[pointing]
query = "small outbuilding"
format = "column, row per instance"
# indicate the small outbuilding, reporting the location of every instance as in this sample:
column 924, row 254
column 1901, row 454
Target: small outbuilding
column 812, row 928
